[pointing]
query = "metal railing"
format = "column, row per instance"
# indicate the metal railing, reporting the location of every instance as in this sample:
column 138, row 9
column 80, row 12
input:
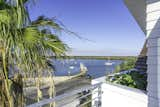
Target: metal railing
column 78, row 98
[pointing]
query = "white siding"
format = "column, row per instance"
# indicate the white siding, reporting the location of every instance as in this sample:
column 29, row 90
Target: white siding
column 153, row 16
column 153, row 34
column 152, row 28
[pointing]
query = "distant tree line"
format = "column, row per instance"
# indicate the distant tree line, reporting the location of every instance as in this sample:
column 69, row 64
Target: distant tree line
column 100, row 57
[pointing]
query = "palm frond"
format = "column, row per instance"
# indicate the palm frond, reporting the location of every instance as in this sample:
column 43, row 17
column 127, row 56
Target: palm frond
column 4, row 16
column 46, row 22
column 25, row 44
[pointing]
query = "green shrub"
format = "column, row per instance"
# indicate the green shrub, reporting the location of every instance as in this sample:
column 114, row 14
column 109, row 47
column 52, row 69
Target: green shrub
column 132, row 79
column 126, row 65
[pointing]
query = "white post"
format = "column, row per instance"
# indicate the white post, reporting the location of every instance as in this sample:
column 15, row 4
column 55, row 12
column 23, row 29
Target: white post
column 153, row 34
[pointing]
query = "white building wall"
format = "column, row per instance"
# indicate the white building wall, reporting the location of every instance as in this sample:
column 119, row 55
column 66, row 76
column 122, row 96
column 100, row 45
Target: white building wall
column 120, row 96
column 153, row 34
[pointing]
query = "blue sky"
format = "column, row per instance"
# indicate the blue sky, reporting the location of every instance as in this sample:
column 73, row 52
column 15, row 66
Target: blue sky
column 106, row 23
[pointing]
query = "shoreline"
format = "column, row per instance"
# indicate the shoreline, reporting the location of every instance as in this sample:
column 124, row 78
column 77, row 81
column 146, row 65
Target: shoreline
column 97, row 57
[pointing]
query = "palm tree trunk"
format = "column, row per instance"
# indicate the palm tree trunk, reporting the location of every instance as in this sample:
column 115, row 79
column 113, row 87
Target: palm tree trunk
column 52, row 92
column 17, row 90
column 6, row 80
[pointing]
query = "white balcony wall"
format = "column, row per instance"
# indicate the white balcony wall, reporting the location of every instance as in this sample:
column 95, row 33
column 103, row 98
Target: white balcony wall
column 120, row 96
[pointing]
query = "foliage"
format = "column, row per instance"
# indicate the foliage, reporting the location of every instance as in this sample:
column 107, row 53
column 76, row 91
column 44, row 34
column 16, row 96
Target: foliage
column 86, row 101
column 133, row 79
column 117, row 69
column 126, row 65
column 24, row 44
column 124, row 79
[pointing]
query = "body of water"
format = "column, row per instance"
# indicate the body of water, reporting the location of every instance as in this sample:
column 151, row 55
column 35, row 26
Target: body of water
column 96, row 68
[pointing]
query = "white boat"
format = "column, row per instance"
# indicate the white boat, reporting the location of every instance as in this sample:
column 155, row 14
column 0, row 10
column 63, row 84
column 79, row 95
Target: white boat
column 108, row 63
column 71, row 67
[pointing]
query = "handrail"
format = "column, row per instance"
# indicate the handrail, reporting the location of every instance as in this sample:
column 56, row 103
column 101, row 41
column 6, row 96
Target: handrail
column 57, row 98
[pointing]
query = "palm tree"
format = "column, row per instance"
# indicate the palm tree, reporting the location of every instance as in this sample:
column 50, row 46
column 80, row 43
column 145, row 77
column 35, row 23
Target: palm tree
column 24, row 45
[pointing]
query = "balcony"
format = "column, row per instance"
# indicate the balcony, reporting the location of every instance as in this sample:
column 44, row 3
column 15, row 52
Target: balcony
column 99, row 94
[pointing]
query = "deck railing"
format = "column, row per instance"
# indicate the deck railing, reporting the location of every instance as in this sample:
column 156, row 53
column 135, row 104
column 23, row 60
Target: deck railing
column 76, row 98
